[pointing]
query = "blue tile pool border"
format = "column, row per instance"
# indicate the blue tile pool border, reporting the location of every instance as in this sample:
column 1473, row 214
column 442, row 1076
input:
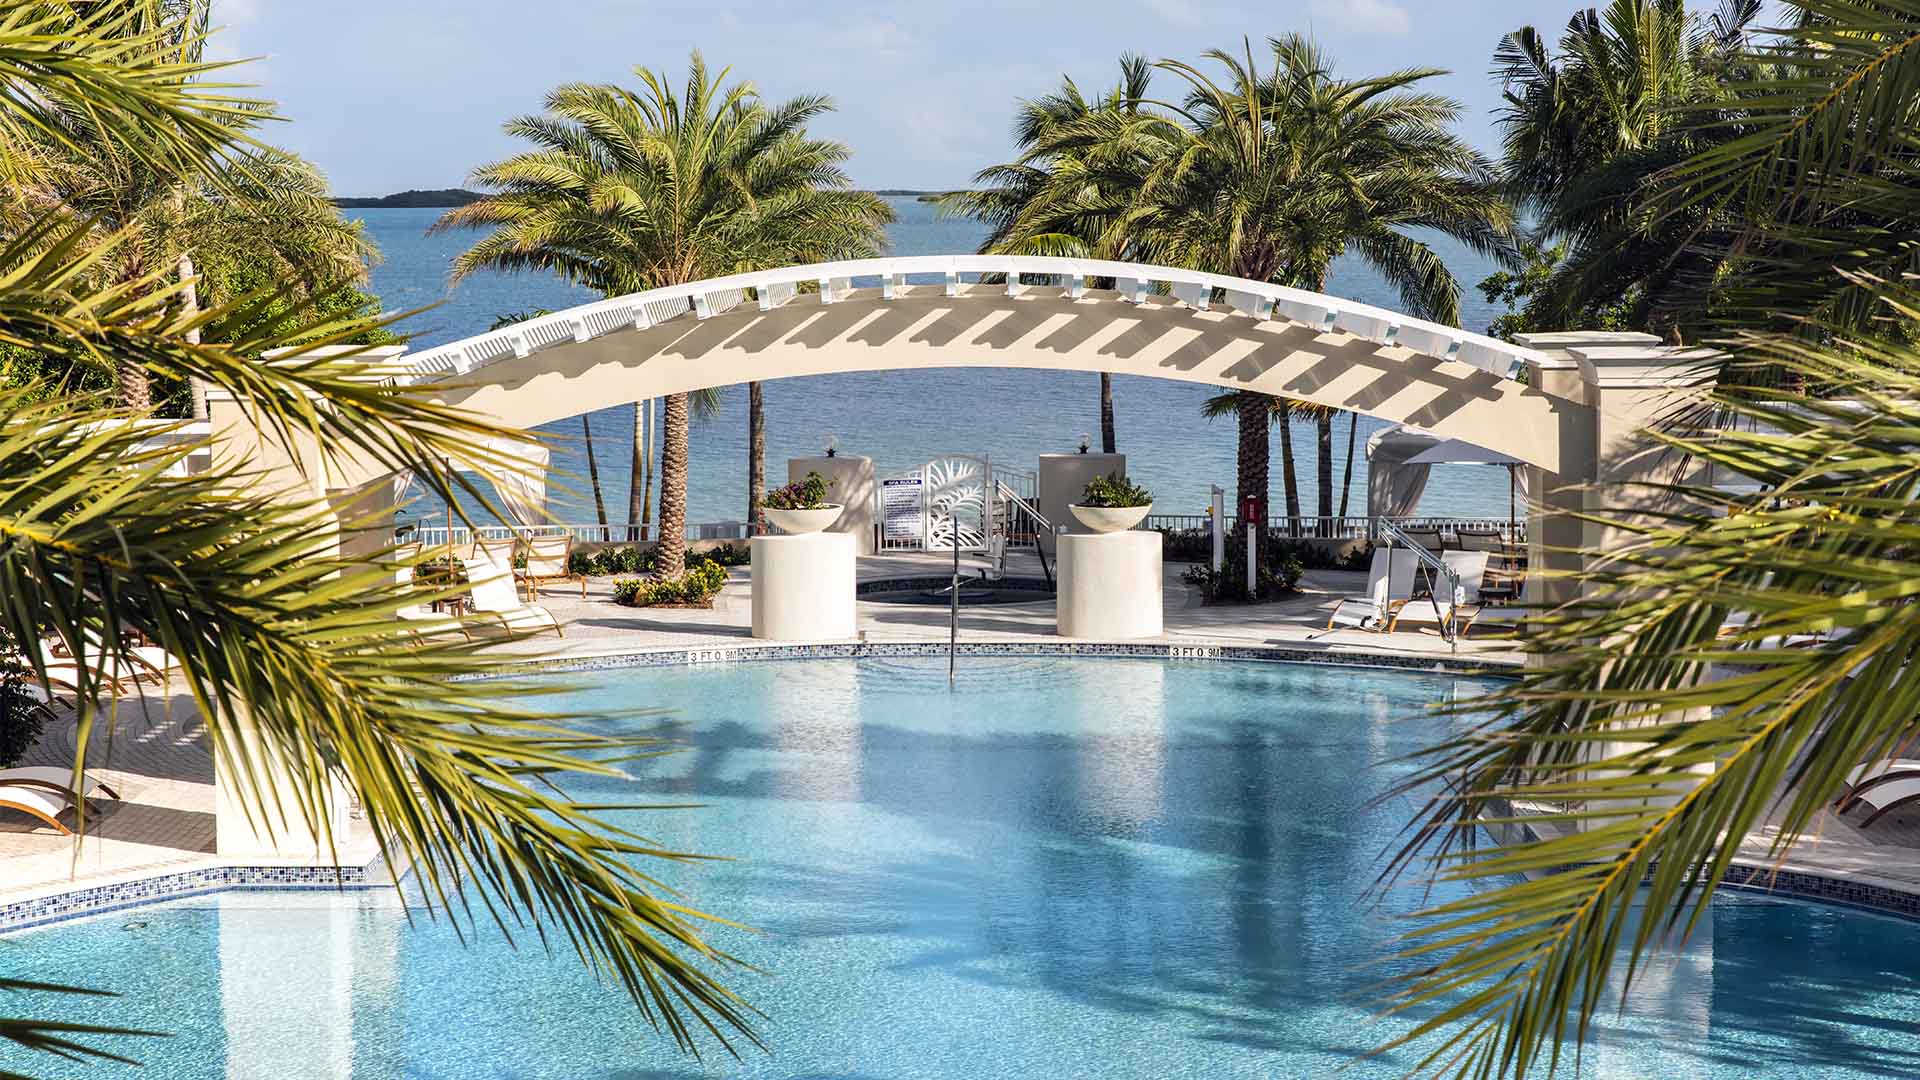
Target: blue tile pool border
column 1147, row 650
column 97, row 899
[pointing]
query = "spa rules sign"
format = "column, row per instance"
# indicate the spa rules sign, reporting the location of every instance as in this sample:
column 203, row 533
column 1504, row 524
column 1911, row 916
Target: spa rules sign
column 901, row 500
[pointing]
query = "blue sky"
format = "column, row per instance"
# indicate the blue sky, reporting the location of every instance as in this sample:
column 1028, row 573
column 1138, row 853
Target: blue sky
column 412, row 93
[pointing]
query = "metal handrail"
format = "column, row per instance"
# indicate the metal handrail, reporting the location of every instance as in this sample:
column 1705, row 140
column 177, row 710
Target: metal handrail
column 1434, row 563
column 1045, row 525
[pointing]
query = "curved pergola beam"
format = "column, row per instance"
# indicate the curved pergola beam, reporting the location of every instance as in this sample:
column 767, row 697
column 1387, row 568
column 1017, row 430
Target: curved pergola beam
column 922, row 312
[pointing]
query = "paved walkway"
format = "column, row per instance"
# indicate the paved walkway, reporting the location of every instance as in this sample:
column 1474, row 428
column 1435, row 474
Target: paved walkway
column 157, row 755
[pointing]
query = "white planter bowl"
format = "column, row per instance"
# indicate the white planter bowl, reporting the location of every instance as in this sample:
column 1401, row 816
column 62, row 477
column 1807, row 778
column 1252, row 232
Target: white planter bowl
column 1106, row 519
column 795, row 522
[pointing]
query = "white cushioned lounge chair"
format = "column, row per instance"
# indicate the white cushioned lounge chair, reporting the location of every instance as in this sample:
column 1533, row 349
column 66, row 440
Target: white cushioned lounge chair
column 37, row 802
column 549, row 559
column 1439, row 610
column 1390, row 584
column 55, row 779
column 497, row 606
column 1884, row 795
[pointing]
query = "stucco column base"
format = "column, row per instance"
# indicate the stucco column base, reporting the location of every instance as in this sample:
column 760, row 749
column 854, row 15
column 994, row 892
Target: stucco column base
column 803, row 586
column 276, row 831
column 1109, row 585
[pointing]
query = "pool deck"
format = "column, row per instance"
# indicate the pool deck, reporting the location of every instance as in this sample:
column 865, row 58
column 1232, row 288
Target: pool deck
column 158, row 758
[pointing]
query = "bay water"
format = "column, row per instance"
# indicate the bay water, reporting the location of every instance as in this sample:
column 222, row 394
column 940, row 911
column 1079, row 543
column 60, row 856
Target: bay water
column 904, row 418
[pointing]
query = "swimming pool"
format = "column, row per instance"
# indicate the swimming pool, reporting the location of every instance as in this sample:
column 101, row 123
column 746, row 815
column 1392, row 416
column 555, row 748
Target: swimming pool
column 1066, row 867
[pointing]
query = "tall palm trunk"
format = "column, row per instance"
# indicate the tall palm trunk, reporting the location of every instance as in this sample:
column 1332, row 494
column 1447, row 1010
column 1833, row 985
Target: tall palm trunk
column 756, row 459
column 1346, row 480
column 1106, row 413
column 1256, row 416
column 673, row 487
column 190, row 306
column 593, row 474
column 1288, row 479
column 1323, row 462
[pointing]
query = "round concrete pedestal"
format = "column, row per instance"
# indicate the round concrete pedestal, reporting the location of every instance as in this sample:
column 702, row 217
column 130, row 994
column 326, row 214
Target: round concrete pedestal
column 1109, row 585
column 803, row 586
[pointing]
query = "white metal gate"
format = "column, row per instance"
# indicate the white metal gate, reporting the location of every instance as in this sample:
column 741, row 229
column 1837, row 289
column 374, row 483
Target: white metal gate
column 940, row 505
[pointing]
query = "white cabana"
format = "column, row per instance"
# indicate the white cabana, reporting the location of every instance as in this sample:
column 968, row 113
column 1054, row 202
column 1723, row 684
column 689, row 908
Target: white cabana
column 1399, row 459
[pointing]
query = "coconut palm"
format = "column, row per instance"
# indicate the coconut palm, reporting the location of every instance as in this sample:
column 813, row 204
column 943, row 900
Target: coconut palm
column 290, row 651
column 628, row 190
column 255, row 209
column 1585, row 127
column 1730, row 729
column 1271, row 176
column 1053, row 166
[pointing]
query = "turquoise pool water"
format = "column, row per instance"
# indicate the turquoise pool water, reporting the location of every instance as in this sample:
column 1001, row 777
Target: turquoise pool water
column 1103, row 868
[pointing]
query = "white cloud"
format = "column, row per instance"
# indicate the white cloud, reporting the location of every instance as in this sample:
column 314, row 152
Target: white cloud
column 1365, row 16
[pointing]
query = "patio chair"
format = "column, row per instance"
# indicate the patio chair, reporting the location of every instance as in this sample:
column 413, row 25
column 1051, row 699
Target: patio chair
column 55, row 779
column 1440, row 610
column 1428, row 537
column 1885, row 798
column 549, row 558
column 1488, row 540
column 1874, row 774
column 425, row 623
column 497, row 606
column 37, row 802
column 1390, row 585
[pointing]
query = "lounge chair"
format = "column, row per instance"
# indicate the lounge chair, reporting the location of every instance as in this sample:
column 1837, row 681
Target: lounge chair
column 55, row 779
column 1488, row 540
column 1874, row 774
column 423, row 622
column 1440, row 609
column 37, row 802
column 497, row 606
column 549, row 558
column 1428, row 538
column 1390, row 585
column 1884, row 798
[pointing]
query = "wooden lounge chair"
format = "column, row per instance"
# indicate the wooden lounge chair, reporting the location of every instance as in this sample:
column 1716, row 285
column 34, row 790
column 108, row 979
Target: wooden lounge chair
column 1875, row 774
column 496, row 606
column 549, row 559
column 1884, row 798
column 55, row 779
column 37, row 802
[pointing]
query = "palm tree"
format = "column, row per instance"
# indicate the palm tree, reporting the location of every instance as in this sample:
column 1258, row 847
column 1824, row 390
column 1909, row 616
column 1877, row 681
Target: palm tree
column 290, row 650
column 626, row 191
column 1050, row 167
column 1584, row 127
column 254, row 209
column 1271, row 177
column 1739, row 728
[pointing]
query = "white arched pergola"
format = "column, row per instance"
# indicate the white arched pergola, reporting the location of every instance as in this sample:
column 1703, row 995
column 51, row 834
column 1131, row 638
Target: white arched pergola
column 936, row 311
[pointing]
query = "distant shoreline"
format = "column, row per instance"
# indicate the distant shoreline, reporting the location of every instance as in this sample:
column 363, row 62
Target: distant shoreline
column 447, row 198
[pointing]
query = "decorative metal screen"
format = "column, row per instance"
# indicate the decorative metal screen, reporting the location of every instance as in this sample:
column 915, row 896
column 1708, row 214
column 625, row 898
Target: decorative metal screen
column 938, row 505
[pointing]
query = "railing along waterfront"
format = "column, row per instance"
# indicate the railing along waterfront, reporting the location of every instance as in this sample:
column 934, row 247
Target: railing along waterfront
column 593, row 533
column 1346, row 528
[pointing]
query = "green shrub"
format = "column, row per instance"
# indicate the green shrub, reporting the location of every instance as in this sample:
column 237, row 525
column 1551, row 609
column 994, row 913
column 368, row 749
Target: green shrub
column 21, row 717
column 697, row 586
column 807, row 494
column 1186, row 545
column 1279, row 572
column 1115, row 491
column 633, row 559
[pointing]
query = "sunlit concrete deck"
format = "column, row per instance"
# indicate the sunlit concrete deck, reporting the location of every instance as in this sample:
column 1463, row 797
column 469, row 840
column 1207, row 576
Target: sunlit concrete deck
column 159, row 760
